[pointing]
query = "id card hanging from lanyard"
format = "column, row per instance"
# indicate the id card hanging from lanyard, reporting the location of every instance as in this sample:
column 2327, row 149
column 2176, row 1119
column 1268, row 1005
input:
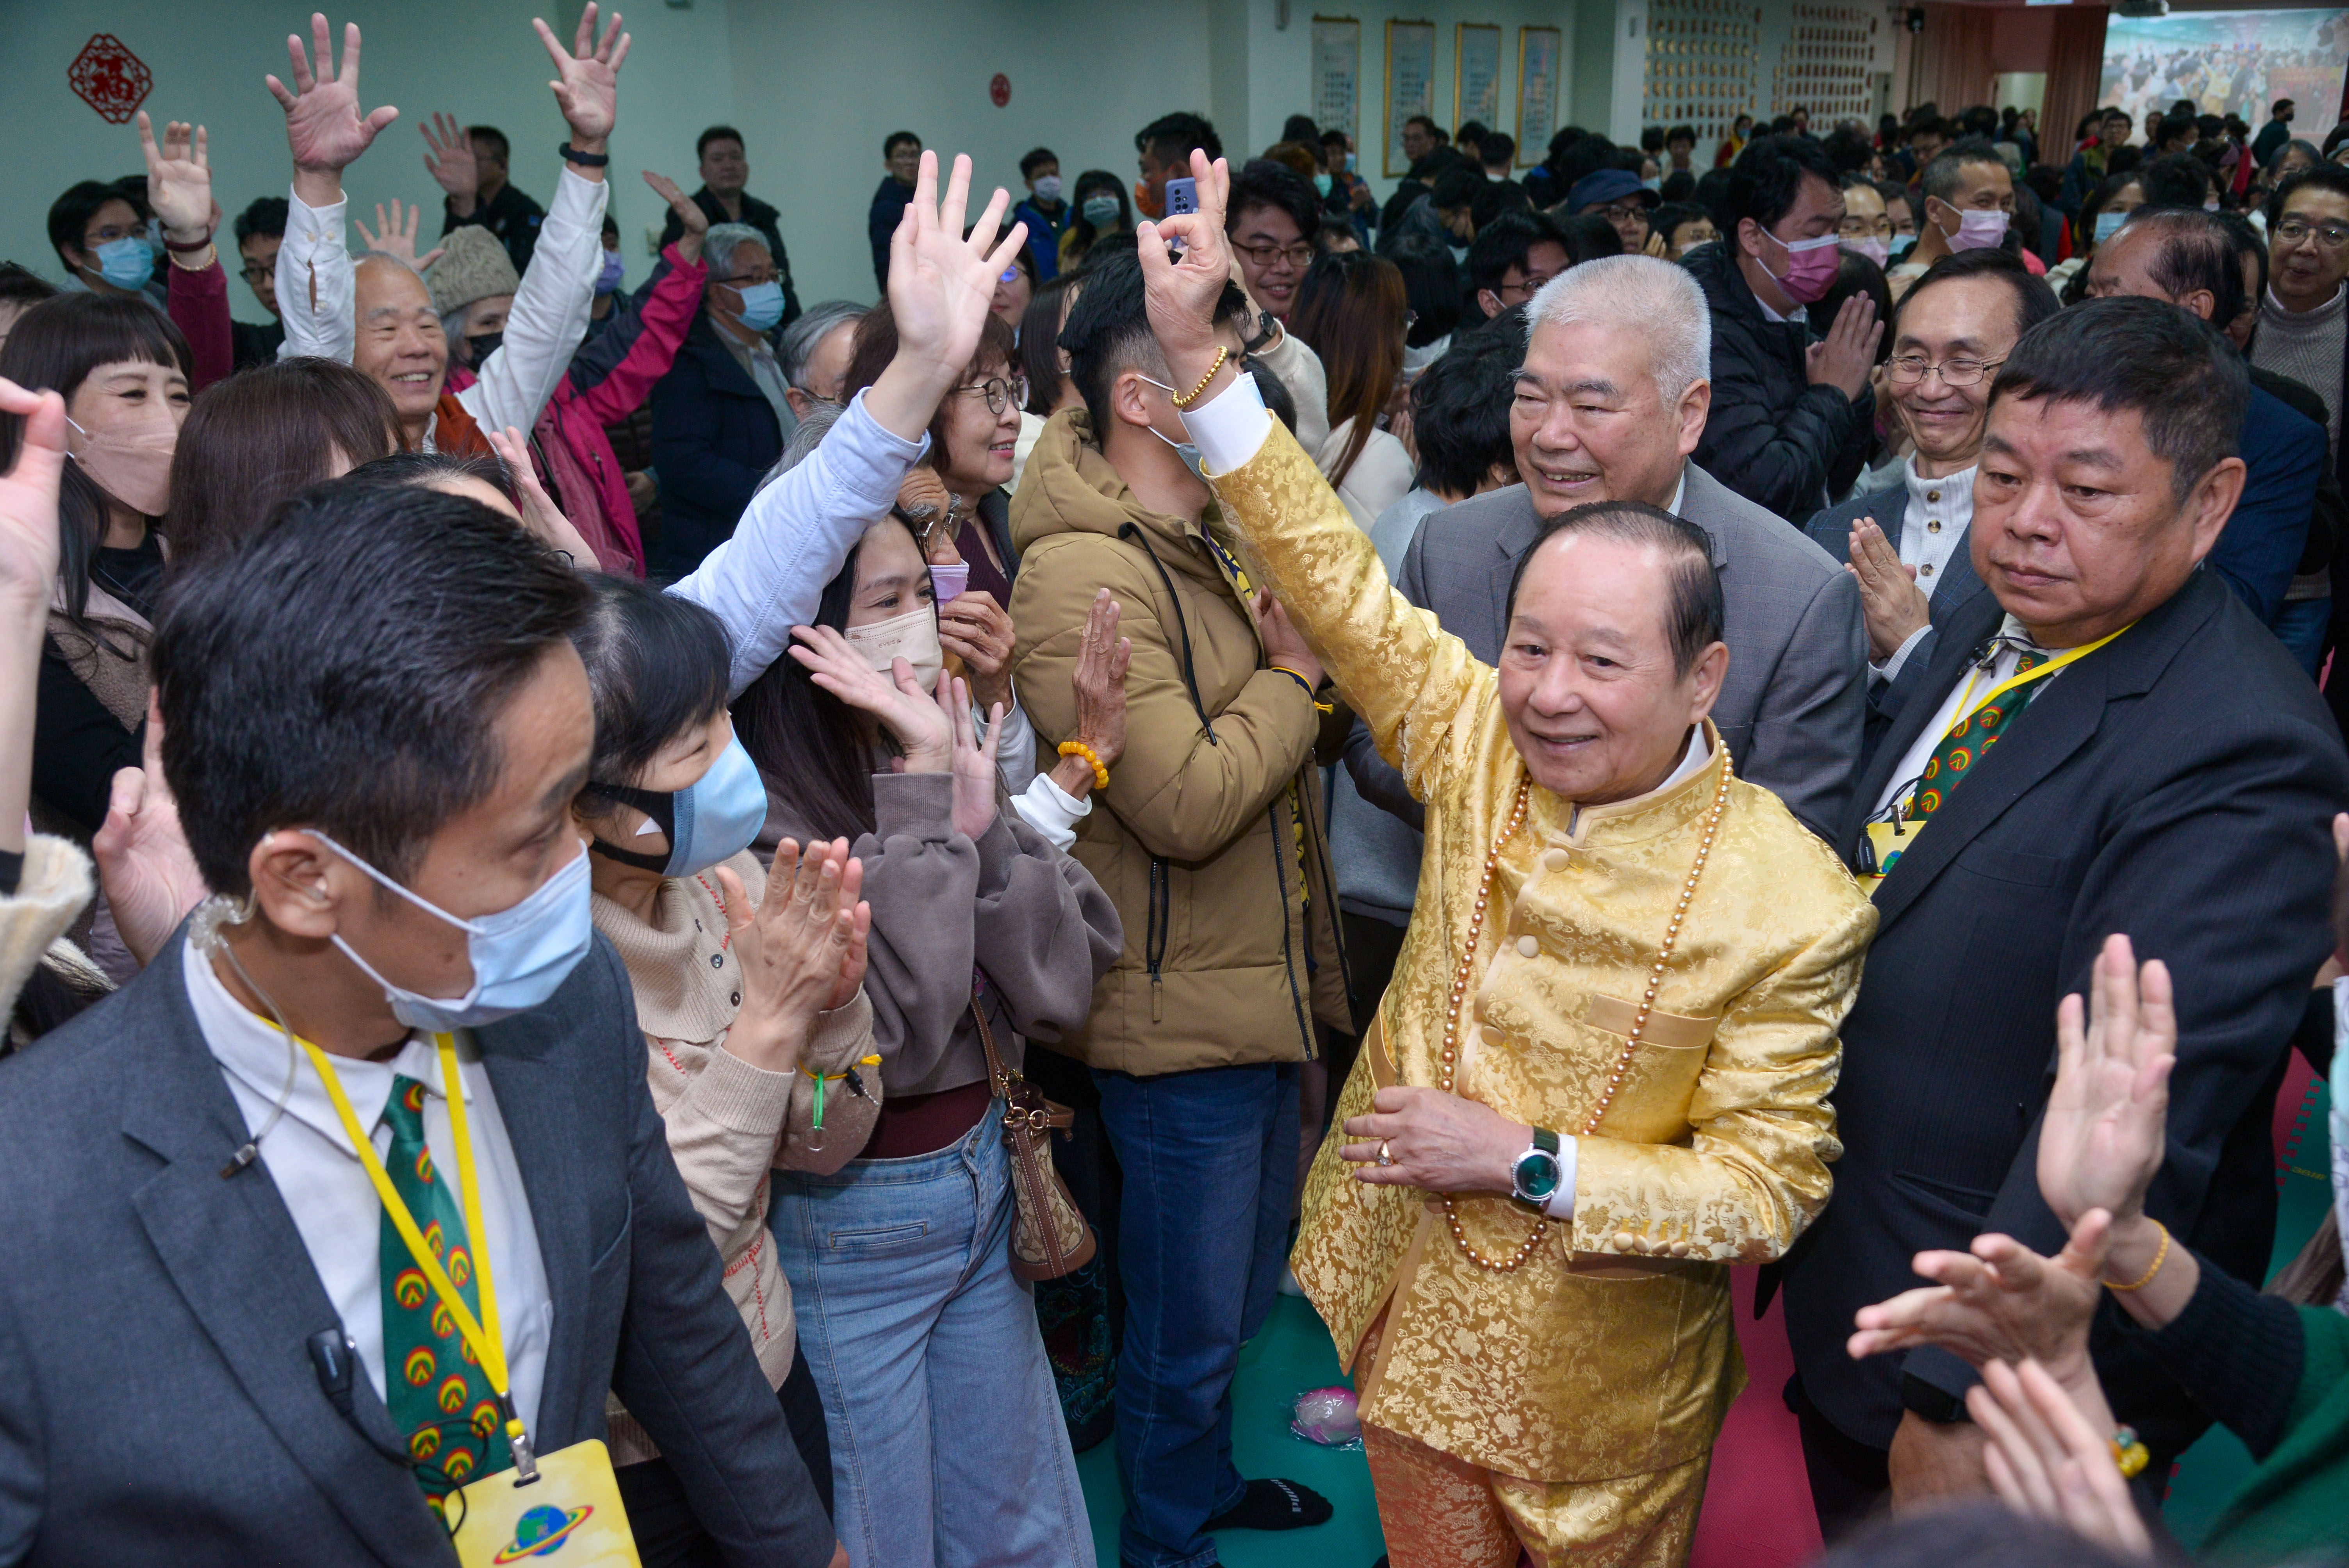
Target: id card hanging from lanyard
column 502, row 1518
column 1893, row 832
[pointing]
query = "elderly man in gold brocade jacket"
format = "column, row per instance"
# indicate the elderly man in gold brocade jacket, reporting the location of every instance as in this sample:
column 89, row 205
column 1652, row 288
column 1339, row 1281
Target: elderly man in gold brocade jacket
column 1600, row 1074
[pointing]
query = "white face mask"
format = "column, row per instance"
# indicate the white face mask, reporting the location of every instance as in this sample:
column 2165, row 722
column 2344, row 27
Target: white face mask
column 911, row 637
column 1187, row 451
column 1048, row 188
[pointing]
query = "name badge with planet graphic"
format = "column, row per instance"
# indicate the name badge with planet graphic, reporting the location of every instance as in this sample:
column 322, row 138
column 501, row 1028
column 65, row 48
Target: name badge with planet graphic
column 570, row 1517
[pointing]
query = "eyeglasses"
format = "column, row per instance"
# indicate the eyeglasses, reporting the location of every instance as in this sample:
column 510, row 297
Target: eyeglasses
column 1909, row 369
column 1011, row 274
column 1001, row 392
column 257, row 276
column 1865, row 228
column 2295, row 231
column 1298, row 257
column 107, row 234
column 1622, row 212
column 751, row 279
column 1518, row 292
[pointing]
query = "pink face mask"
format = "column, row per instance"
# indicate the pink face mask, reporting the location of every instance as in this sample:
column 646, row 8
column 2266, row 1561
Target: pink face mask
column 1977, row 231
column 1875, row 247
column 1810, row 266
column 132, row 462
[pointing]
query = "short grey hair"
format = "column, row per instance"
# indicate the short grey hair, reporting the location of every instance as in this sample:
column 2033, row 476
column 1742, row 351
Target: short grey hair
column 814, row 325
column 718, row 245
column 807, row 436
column 1658, row 299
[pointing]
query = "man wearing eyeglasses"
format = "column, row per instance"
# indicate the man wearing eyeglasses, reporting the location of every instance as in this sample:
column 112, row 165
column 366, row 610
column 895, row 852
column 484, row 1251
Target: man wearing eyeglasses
column 2301, row 331
column 260, row 230
column 1906, row 543
column 1616, row 195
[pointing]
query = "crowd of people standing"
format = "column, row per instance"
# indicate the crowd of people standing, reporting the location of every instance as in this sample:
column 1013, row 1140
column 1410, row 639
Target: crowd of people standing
column 777, row 915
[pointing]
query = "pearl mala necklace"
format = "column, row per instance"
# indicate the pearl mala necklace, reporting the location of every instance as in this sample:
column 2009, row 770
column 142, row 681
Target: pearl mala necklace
column 1451, row 1060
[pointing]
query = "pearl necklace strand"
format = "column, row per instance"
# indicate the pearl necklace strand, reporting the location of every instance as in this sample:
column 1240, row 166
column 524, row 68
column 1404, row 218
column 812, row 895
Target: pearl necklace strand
column 1526, row 1250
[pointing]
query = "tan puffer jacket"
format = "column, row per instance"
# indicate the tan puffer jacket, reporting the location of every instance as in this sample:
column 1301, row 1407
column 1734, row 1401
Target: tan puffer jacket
column 1210, row 839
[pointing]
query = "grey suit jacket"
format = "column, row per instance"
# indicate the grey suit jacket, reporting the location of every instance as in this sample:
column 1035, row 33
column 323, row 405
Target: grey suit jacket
column 157, row 1401
column 1793, row 706
column 1957, row 589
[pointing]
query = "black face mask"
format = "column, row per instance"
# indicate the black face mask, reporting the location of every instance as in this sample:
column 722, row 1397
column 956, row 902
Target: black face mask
column 478, row 348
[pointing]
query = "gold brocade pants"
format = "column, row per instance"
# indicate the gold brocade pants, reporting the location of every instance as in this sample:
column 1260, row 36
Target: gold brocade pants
column 1439, row 1511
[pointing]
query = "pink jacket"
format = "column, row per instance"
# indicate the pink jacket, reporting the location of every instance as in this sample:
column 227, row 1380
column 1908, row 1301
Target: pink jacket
column 575, row 458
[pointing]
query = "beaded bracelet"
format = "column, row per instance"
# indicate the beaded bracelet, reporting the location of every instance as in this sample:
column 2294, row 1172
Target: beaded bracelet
column 1192, row 396
column 1078, row 749
column 2129, row 1454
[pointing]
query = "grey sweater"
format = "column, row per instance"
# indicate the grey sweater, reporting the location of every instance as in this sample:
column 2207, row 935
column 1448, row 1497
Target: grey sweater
column 1007, row 906
column 2308, row 345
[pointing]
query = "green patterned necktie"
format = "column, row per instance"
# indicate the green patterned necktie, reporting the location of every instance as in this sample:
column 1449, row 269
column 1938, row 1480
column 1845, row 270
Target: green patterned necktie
column 433, row 1383
column 1970, row 738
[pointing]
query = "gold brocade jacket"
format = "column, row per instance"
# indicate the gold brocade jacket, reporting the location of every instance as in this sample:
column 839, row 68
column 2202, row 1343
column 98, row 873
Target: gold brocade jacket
column 1612, row 1353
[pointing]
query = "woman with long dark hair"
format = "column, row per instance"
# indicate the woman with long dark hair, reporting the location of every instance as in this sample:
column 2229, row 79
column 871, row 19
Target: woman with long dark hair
column 124, row 371
column 1352, row 310
column 1103, row 208
column 946, row 1428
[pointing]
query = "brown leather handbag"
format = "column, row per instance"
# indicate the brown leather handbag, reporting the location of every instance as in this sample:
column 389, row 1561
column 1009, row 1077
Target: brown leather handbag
column 1049, row 1235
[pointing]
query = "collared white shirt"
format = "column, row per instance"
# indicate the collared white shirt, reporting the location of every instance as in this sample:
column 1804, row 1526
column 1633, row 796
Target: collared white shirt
column 1932, row 530
column 334, row 1204
column 1971, row 689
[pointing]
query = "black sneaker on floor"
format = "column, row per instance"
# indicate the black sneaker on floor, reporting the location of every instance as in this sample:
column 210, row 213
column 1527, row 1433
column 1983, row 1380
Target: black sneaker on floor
column 1274, row 1505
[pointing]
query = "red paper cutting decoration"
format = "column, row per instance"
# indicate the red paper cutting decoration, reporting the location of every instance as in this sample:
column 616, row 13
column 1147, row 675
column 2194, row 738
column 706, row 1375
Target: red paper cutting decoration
column 109, row 79
column 999, row 91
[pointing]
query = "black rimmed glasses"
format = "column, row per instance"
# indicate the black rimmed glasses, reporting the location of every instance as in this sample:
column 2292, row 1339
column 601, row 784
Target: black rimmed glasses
column 1001, row 392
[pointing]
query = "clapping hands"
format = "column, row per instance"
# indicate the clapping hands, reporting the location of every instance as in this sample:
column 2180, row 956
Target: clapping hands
column 799, row 953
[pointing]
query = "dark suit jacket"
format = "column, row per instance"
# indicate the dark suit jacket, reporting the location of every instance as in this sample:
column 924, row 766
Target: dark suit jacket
column 715, row 436
column 2178, row 786
column 2262, row 545
column 1957, row 589
column 1790, row 707
column 157, row 1400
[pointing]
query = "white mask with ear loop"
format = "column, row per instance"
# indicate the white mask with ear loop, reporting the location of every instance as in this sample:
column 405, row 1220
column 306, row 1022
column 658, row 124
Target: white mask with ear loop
column 1187, row 451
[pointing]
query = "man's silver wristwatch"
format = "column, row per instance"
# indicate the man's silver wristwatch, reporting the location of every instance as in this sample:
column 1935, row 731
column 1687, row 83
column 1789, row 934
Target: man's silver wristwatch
column 1533, row 1178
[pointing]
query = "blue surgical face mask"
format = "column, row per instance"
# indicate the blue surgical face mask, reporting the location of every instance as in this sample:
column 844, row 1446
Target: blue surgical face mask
column 762, row 305
column 1100, row 212
column 2108, row 224
column 608, row 280
column 519, row 955
column 709, row 822
column 126, row 262
column 1322, row 182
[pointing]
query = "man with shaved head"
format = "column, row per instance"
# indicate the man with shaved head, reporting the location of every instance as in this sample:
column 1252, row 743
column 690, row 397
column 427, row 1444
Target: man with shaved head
column 378, row 315
column 1600, row 1072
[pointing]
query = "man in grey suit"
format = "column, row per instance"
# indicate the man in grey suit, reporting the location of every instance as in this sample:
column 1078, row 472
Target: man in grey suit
column 212, row 1350
column 1906, row 543
column 1609, row 403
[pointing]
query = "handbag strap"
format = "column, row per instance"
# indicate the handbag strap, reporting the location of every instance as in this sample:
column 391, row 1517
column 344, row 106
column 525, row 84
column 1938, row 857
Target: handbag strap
column 999, row 1077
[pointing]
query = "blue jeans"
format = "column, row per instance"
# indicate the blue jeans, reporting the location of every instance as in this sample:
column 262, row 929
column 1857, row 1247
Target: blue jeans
column 2299, row 626
column 948, row 1447
column 1210, row 1164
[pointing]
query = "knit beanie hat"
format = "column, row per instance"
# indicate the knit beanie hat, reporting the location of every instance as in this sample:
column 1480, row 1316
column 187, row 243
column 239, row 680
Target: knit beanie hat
column 474, row 266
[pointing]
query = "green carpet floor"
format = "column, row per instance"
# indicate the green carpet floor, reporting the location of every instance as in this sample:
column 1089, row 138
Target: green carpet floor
column 1293, row 1354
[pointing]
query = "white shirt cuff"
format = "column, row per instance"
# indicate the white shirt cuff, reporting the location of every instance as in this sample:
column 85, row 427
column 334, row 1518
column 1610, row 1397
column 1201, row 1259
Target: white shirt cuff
column 1052, row 810
column 1561, row 1202
column 1229, row 428
column 1889, row 670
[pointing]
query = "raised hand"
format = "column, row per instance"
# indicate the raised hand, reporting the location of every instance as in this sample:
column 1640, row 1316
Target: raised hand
column 587, row 83
column 2101, row 1137
column 794, row 951
column 923, row 734
column 1890, row 603
column 396, row 239
column 1099, row 680
column 2002, row 1302
column 1180, row 292
column 144, row 865
column 179, row 179
column 974, row 759
column 940, row 288
column 28, row 500
column 449, row 158
column 324, row 128
column 689, row 212
column 540, row 515
column 974, row 628
column 2048, row 1458
column 1847, row 356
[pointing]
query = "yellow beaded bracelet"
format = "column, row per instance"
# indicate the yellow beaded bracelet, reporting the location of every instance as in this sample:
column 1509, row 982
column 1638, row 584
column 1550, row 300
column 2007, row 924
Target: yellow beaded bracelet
column 1186, row 400
column 2130, row 1455
column 1078, row 749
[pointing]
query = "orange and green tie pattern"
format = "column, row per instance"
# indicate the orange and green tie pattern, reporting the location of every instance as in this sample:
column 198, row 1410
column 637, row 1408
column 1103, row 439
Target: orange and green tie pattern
column 1970, row 739
column 434, row 1385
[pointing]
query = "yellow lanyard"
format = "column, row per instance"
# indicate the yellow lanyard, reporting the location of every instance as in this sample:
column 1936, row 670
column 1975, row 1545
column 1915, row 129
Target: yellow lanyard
column 2025, row 677
column 484, row 1335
